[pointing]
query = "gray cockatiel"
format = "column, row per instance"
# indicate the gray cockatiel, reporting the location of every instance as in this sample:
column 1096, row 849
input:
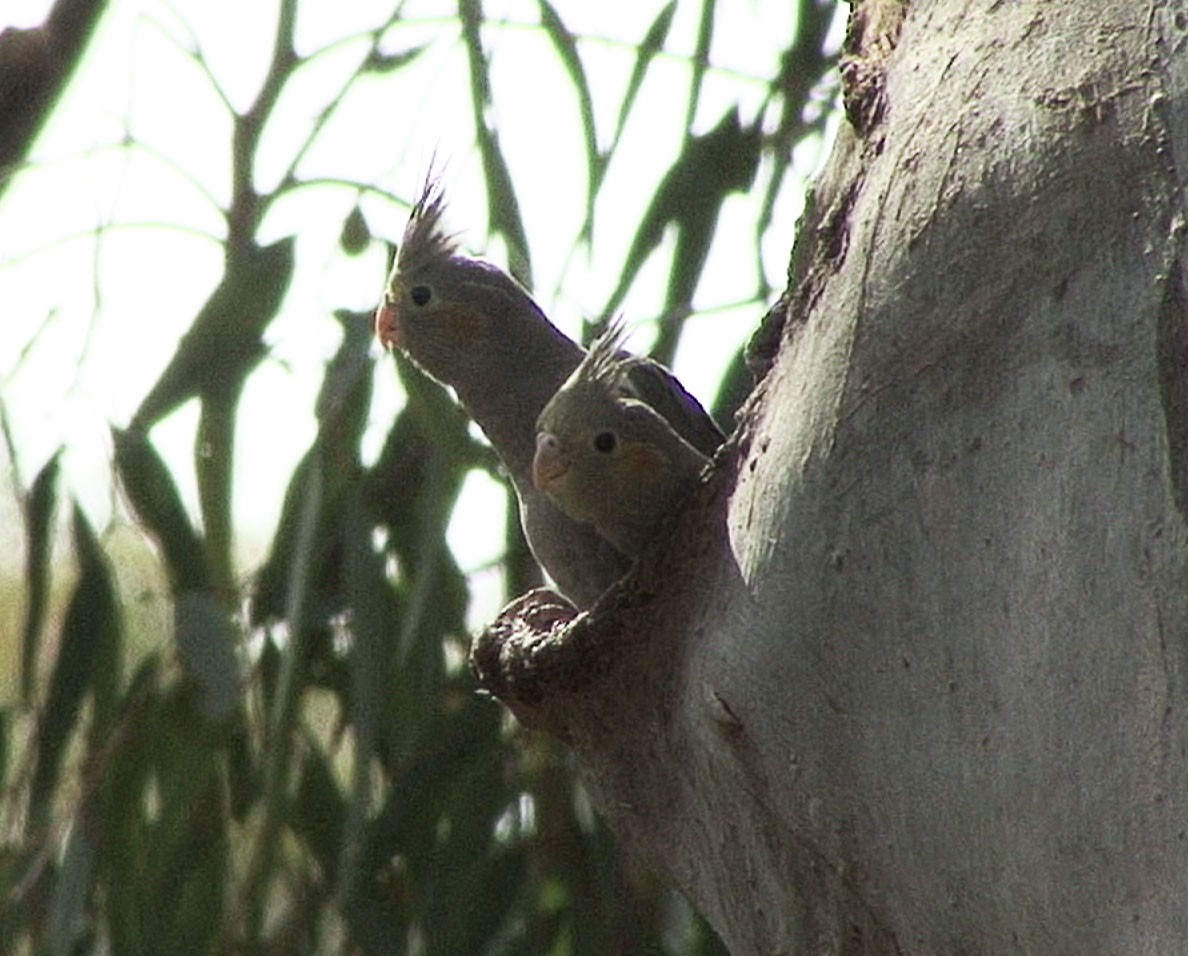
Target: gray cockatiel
column 621, row 445
column 474, row 328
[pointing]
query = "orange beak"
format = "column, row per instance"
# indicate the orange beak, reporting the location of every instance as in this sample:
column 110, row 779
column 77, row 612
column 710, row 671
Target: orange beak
column 387, row 322
column 549, row 463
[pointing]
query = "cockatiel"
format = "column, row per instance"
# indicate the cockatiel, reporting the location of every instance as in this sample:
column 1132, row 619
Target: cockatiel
column 621, row 444
column 474, row 328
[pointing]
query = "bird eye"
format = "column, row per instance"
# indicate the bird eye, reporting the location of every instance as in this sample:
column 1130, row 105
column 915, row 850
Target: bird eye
column 605, row 442
column 420, row 294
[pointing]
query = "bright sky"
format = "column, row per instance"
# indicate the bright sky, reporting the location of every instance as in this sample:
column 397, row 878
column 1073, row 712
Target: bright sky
column 107, row 251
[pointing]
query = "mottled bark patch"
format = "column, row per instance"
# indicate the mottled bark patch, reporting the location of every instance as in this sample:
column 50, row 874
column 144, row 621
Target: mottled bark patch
column 1173, row 375
column 871, row 36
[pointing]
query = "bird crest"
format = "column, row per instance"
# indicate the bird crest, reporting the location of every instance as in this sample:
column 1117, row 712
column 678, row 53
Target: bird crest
column 602, row 364
column 635, row 382
column 425, row 240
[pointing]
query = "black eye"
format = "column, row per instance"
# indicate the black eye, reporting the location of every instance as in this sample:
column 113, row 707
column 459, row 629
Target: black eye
column 605, row 442
column 420, row 294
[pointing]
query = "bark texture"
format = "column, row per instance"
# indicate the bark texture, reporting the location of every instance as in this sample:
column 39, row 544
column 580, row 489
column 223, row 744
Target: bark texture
column 909, row 676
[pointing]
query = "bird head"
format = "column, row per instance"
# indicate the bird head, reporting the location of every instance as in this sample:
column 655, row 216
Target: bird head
column 451, row 314
column 607, row 458
column 589, row 451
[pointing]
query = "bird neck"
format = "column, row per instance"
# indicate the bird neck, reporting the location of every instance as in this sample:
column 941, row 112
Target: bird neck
column 506, row 404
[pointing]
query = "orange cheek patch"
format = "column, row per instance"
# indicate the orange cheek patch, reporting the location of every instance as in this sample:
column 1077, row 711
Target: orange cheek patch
column 643, row 463
column 459, row 327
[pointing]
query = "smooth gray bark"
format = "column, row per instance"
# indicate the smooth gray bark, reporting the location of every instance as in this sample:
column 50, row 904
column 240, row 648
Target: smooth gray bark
column 910, row 675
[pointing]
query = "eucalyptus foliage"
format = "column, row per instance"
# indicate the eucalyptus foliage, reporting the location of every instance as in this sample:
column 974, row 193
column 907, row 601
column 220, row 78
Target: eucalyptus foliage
column 299, row 761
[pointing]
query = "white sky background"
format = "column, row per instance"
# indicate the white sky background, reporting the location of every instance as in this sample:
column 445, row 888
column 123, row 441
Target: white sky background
column 107, row 252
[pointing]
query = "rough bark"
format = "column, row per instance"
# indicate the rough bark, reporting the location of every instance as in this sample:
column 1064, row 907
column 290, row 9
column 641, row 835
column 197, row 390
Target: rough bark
column 909, row 676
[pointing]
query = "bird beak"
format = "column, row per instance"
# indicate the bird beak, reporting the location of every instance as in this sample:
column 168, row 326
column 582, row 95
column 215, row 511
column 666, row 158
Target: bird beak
column 387, row 321
column 549, row 463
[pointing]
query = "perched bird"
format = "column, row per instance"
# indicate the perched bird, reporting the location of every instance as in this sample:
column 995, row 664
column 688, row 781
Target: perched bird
column 609, row 457
column 474, row 328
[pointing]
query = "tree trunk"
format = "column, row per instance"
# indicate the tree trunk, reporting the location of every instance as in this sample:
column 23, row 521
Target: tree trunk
column 909, row 676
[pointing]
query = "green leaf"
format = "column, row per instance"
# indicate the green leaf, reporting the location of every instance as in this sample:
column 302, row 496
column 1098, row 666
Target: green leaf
column 705, row 35
column 645, row 53
column 412, row 487
column 270, row 601
column 462, row 840
column 503, row 208
column 89, row 640
column 154, row 498
column 69, row 918
column 470, row 12
column 802, row 67
column 213, row 361
column 206, row 644
column 160, row 812
column 484, row 896
column 119, row 807
column 345, row 395
column 39, row 507
column 356, row 234
column 690, row 197
column 189, row 857
column 434, row 605
column 319, row 809
column 214, row 465
column 442, row 764
column 381, row 63
column 373, row 613
column 342, row 407
column 20, row 883
column 6, row 730
column 566, row 46
column 373, row 616
column 225, row 341
column 736, row 384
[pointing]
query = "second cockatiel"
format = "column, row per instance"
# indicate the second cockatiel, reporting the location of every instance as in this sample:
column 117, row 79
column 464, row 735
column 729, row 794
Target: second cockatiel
column 474, row 328
column 621, row 445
